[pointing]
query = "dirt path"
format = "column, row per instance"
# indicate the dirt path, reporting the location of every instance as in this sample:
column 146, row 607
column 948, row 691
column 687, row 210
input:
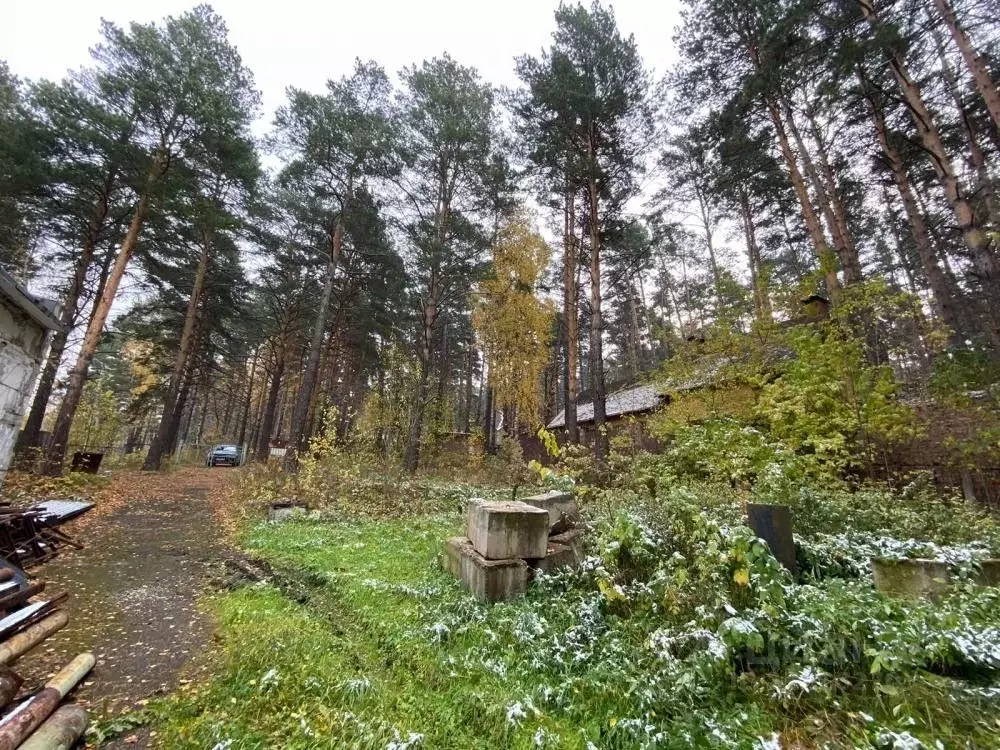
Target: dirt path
column 151, row 548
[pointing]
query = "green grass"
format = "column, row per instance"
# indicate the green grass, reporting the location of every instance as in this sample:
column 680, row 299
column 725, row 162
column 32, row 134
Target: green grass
column 388, row 645
column 370, row 645
column 357, row 667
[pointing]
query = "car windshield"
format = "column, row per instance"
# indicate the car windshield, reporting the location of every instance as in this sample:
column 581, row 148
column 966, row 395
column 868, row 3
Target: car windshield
column 225, row 449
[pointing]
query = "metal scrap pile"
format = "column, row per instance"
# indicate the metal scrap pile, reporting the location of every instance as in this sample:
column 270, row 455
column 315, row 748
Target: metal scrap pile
column 31, row 536
column 28, row 616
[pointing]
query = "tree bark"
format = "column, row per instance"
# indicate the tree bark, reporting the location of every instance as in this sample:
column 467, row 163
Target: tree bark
column 984, row 192
column 68, row 318
column 977, row 64
column 761, row 297
column 570, row 314
column 249, row 399
column 849, row 259
column 847, row 253
column 706, row 222
column 984, row 261
column 813, row 226
column 263, row 448
column 56, row 453
column 944, row 293
column 164, row 437
column 469, row 366
column 633, row 342
column 596, row 321
column 300, row 414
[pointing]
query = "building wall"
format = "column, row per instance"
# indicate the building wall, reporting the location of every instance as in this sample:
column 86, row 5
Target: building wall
column 22, row 347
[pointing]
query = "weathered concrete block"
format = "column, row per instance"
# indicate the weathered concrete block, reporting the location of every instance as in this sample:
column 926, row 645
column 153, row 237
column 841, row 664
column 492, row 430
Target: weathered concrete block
column 451, row 560
column 561, row 507
column 504, row 530
column 557, row 556
column 572, row 539
column 488, row 580
column 283, row 510
column 989, row 573
column 911, row 579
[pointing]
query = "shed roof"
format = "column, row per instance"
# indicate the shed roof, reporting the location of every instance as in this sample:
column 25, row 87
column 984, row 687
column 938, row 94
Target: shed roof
column 39, row 310
column 644, row 397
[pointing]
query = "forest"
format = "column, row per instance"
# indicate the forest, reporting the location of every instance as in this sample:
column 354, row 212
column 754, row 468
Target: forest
column 426, row 256
column 766, row 276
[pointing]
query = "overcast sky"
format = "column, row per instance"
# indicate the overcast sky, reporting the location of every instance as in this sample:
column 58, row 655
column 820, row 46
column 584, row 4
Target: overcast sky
column 303, row 43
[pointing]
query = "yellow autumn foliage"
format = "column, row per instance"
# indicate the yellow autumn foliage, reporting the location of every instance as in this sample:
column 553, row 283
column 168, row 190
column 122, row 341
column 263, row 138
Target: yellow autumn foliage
column 512, row 323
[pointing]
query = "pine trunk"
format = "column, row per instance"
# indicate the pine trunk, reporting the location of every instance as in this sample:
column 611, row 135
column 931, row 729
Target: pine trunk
column 761, row 297
column 850, row 260
column 266, row 429
column 56, row 453
column 300, row 414
column 570, row 319
column 706, row 222
column 984, row 262
column 596, row 326
column 945, row 296
column 249, row 399
column 977, row 64
column 467, row 408
column 813, row 226
column 847, row 253
column 164, row 434
column 985, row 191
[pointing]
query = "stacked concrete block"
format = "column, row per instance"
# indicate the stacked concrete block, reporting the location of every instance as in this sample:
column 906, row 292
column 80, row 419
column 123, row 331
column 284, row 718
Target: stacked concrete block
column 503, row 530
column 509, row 541
column 489, row 580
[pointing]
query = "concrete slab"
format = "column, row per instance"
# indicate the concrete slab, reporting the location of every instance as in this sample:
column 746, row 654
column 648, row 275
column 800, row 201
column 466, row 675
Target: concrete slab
column 504, row 530
column 488, row 580
column 557, row 556
column 989, row 573
column 911, row 579
column 572, row 539
column 561, row 507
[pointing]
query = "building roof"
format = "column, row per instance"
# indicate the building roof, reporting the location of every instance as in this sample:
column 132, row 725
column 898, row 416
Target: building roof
column 644, row 397
column 632, row 400
column 39, row 310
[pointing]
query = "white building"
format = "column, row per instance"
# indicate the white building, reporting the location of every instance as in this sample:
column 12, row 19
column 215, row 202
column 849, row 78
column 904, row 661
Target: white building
column 25, row 324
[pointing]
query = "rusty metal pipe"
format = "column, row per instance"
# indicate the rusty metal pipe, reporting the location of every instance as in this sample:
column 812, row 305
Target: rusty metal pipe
column 26, row 718
column 26, row 640
column 10, row 683
column 60, row 731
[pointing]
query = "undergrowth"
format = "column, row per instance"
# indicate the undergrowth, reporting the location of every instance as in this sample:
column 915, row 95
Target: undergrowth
column 671, row 636
column 679, row 630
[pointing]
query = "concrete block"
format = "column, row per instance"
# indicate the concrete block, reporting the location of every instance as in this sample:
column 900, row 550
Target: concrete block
column 572, row 539
column 989, row 573
column 557, row 556
column 911, row 579
column 283, row 510
column 488, row 580
column 504, row 530
column 451, row 560
column 561, row 507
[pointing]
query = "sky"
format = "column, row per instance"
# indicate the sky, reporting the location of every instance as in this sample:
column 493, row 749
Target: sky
column 302, row 43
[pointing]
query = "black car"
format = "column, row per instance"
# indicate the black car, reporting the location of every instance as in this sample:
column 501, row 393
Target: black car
column 224, row 455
